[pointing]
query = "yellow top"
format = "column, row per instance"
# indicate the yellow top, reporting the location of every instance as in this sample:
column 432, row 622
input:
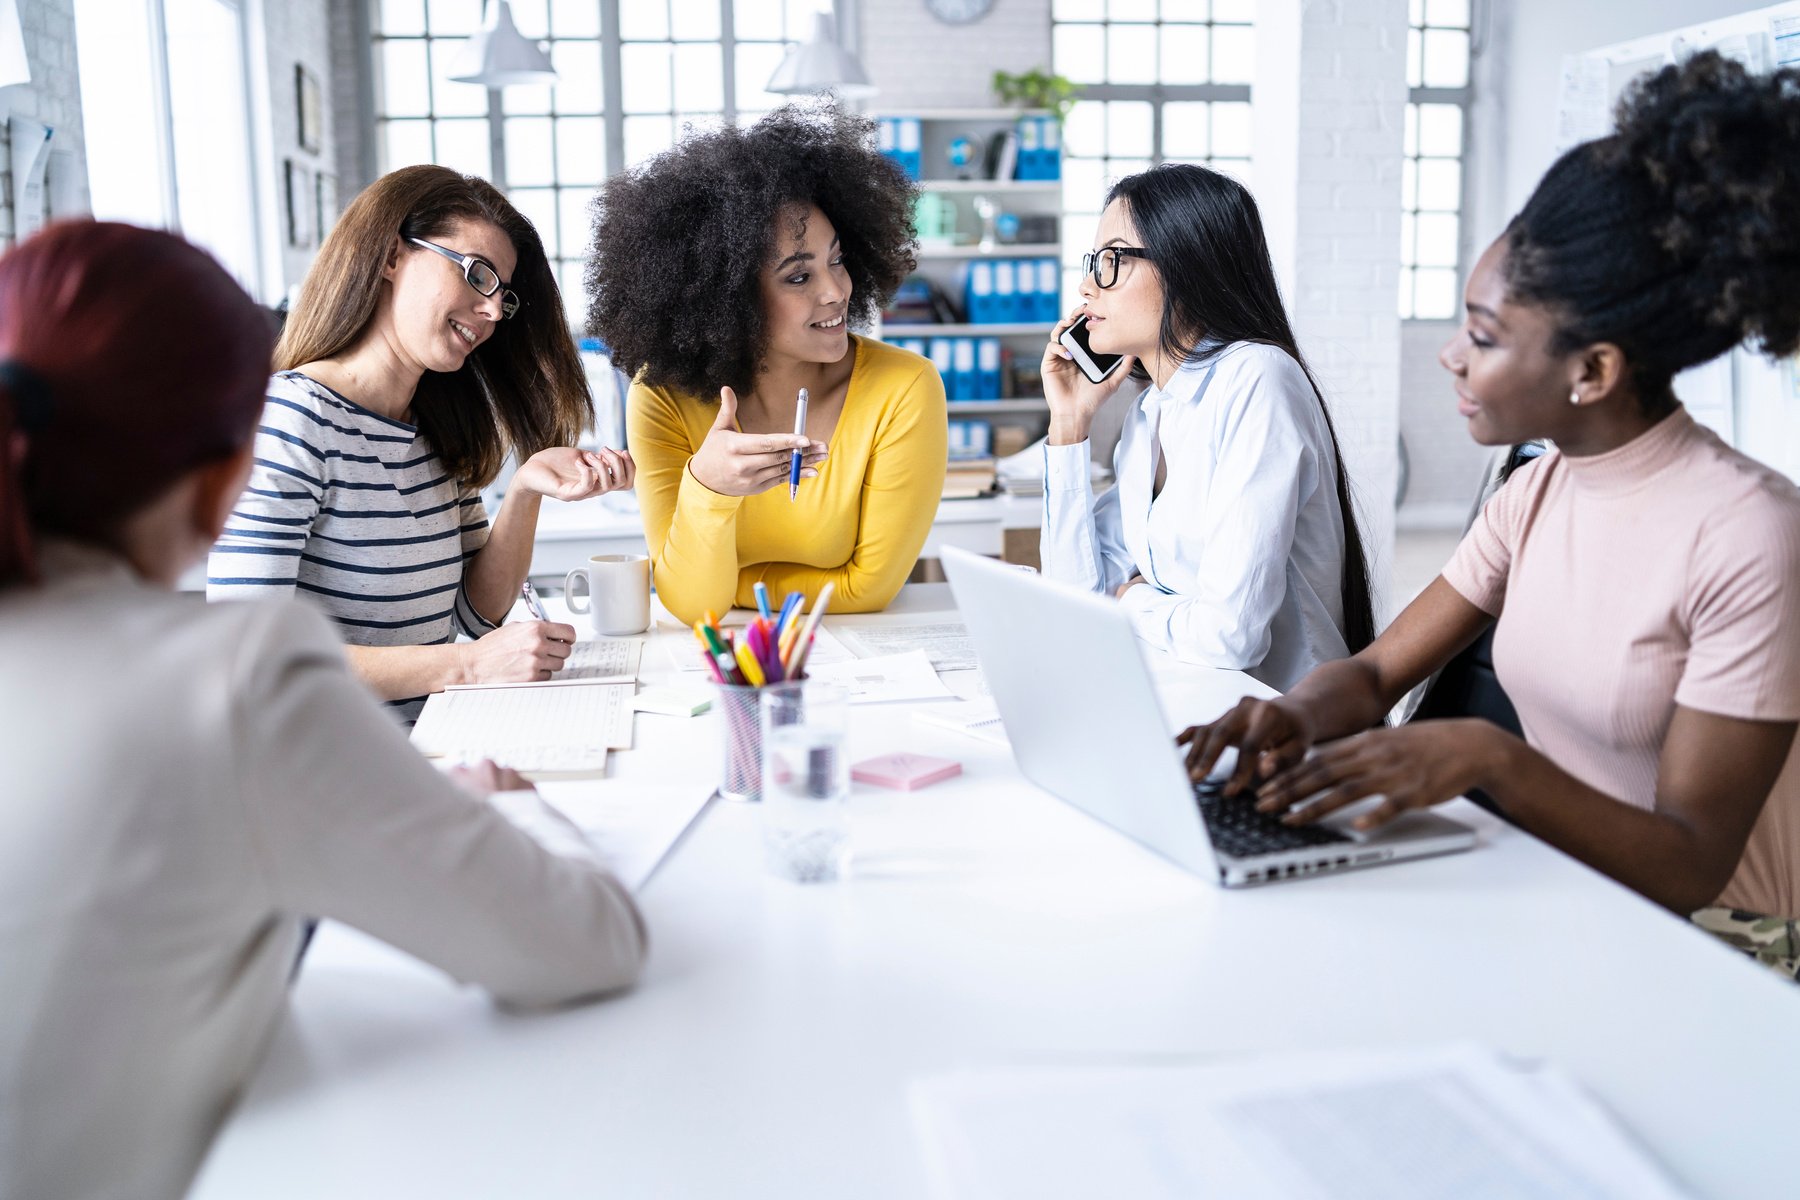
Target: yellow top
column 859, row 524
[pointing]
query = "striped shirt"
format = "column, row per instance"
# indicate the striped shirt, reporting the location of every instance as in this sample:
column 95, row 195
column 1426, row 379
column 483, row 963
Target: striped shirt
column 355, row 512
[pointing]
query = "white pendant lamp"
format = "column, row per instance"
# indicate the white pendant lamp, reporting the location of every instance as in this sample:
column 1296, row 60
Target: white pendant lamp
column 500, row 56
column 819, row 64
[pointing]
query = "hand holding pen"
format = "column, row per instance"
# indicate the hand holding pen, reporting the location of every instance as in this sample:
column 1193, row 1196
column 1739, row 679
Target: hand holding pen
column 732, row 463
column 799, row 434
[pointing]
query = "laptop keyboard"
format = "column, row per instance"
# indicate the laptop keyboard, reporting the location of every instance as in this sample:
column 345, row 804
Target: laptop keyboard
column 1240, row 831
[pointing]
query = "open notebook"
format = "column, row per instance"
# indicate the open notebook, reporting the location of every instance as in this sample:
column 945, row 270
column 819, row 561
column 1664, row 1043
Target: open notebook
column 556, row 728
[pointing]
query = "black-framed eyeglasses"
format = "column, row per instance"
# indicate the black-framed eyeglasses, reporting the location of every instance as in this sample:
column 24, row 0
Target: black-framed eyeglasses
column 480, row 275
column 1103, row 265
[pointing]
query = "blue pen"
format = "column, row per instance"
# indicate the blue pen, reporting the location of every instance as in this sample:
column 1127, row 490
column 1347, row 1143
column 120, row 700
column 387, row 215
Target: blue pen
column 799, row 431
column 762, row 600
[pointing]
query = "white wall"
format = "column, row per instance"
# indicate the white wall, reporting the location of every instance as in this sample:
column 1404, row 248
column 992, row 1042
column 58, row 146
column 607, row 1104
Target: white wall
column 1541, row 32
column 54, row 97
column 920, row 62
column 293, row 32
column 1512, row 130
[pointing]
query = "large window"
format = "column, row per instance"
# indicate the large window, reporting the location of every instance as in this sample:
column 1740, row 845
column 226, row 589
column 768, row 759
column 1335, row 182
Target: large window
column 631, row 75
column 1162, row 81
column 165, row 117
column 1432, row 187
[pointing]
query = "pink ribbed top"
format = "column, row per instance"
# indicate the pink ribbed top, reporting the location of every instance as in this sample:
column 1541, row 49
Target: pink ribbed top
column 1663, row 573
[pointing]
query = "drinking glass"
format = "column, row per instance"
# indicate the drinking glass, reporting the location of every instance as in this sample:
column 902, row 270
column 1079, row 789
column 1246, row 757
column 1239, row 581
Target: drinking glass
column 805, row 781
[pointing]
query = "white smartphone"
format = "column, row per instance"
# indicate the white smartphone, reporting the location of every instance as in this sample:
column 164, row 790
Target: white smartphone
column 1093, row 364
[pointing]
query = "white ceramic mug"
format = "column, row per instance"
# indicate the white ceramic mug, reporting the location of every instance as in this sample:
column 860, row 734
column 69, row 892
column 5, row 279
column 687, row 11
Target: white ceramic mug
column 615, row 591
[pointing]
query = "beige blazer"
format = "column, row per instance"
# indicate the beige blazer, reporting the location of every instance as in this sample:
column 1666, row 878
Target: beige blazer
column 181, row 784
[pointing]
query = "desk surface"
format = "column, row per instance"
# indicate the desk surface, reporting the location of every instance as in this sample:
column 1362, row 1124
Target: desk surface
column 768, row 1049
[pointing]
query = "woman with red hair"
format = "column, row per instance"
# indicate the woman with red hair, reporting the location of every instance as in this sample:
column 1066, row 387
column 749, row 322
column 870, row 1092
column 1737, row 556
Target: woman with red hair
column 188, row 783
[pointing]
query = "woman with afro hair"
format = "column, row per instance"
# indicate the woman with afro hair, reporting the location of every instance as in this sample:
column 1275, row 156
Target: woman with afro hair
column 1643, row 577
column 726, row 275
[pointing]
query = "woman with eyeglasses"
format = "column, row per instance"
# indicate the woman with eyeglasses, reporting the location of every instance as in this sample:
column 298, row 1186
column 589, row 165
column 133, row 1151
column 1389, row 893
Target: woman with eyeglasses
column 1229, row 537
column 429, row 340
column 727, row 274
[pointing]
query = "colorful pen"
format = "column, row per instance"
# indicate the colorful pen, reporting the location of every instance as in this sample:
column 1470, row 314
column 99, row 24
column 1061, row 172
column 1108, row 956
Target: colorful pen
column 799, row 431
column 787, row 611
column 762, row 600
column 803, row 642
column 747, row 663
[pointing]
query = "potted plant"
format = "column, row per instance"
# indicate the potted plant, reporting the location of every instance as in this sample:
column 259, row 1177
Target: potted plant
column 1036, row 88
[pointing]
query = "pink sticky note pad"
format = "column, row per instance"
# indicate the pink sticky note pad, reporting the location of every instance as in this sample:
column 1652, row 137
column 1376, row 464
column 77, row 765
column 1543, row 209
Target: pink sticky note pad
column 905, row 772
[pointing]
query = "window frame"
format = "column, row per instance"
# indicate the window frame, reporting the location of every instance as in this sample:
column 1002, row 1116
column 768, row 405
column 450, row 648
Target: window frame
column 1461, row 98
column 610, row 44
column 1157, row 95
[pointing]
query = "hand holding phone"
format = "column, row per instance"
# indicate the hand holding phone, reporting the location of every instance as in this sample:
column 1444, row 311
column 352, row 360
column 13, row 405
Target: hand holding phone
column 1095, row 365
column 1078, row 380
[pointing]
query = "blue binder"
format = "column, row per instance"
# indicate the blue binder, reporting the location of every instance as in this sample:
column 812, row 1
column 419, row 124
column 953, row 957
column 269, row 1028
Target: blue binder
column 980, row 300
column 987, row 369
column 964, row 385
column 1006, row 292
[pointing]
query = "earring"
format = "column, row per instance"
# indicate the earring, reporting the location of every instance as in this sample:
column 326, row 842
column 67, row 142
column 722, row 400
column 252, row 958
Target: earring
column 1574, row 397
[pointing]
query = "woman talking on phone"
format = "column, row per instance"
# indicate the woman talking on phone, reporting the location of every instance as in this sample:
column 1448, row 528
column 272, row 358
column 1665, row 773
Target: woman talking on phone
column 1229, row 536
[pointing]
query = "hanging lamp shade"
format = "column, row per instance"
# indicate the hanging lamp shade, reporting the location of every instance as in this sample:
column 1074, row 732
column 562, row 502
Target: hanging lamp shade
column 819, row 64
column 500, row 56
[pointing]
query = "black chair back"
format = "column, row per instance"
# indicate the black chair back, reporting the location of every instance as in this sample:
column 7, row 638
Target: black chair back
column 1468, row 686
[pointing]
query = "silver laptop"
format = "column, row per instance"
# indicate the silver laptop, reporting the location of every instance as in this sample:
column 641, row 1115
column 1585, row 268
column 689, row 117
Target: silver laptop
column 1082, row 713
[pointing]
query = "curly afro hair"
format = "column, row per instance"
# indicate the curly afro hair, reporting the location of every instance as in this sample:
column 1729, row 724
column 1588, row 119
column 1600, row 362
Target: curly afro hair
column 679, row 242
column 1677, row 237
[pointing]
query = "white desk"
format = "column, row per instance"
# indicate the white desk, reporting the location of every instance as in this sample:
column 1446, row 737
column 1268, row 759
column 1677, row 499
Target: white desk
column 568, row 533
column 767, row 1050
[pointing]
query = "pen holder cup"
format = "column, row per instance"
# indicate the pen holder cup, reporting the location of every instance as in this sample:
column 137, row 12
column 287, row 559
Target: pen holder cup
column 738, row 706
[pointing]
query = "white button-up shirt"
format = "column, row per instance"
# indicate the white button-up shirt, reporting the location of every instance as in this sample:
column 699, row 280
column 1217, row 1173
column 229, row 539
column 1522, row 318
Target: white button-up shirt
column 1243, row 550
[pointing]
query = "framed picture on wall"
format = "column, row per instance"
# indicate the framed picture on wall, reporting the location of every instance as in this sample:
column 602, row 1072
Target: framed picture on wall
column 310, row 105
column 302, row 205
column 325, row 196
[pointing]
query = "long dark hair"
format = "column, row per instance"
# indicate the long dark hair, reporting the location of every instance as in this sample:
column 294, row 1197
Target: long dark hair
column 523, row 389
column 1205, row 238
column 134, row 332
column 1678, row 236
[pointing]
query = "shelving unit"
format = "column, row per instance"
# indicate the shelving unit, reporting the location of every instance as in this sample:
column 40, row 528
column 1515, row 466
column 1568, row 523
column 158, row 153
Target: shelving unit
column 1019, row 414
column 997, row 250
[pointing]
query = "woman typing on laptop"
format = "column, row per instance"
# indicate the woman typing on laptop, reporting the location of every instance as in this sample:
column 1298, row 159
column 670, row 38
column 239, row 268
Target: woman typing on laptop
column 1643, row 574
column 1229, row 538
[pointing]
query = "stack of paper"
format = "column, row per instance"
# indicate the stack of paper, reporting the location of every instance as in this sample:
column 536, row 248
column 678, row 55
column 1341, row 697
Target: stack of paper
column 946, row 643
column 1440, row 1124
column 537, row 731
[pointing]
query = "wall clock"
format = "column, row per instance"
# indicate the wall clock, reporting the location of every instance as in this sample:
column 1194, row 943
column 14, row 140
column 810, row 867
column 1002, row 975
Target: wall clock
column 959, row 12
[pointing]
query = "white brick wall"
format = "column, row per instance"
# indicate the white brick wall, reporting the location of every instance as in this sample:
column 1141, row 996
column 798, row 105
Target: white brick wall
column 54, row 97
column 1330, row 106
column 1444, row 463
column 919, row 62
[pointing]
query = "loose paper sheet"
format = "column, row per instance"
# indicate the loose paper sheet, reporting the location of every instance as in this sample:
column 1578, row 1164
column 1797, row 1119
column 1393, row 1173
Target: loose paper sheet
column 632, row 825
column 882, row 680
column 1399, row 1125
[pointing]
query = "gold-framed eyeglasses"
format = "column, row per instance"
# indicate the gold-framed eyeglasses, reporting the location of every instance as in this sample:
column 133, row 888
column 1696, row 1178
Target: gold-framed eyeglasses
column 1103, row 265
column 479, row 274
